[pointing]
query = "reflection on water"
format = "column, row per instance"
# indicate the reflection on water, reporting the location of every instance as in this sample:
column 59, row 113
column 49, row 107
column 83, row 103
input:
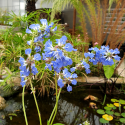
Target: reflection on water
column 72, row 110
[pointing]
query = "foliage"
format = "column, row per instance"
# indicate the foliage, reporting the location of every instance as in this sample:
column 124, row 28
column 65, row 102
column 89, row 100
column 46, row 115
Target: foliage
column 14, row 45
column 97, row 18
column 109, row 70
column 3, row 17
column 113, row 110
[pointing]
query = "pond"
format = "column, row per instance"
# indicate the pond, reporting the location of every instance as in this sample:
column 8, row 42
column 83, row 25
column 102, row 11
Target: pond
column 72, row 109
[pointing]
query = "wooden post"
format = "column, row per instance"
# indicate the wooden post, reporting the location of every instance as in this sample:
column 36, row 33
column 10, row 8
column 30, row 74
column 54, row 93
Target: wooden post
column 74, row 21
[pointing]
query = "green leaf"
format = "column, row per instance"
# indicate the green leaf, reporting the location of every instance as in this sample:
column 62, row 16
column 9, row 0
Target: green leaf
column 122, row 101
column 122, row 120
column 109, row 112
column 10, row 117
column 100, row 111
column 58, row 124
column 107, row 108
column 102, row 120
column 124, row 107
column 47, row 122
column 123, row 114
column 110, row 105
column 109, row 70
column 114, row 107
column 13, row 114
column 114, row 100
column 117, row 114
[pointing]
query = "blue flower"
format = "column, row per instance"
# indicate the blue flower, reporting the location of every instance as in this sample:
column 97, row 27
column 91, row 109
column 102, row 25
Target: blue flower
column 28, row 31
column 87, row 71
column 66, row 73
column 91, row 55
column 60, row 83
column 35, row 27
column 48, row 66
column 34, row 70
column 29, row 42
column 37, row 49
column 43, row 22
column 37, row 57
column 69, row 88
column 48, row 46
column 23, row 83
column 116, row 57
column 21, row 60
column 55, row 29
column 68, row 47
column 27, row 51
column 61, row 41
column 58, row 54
column 74, row 75
column 74, row 82
column 72, row 69
column 51, row 25
column 35, row 39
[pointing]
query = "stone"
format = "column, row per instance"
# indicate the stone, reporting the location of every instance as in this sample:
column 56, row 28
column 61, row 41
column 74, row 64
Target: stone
column 2, row 103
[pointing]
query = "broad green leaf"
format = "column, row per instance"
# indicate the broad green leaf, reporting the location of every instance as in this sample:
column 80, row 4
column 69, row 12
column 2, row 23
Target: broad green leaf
column 102, row 120
column 123, row 114
column 109, row 112
column 124, row 107
column 109, row 70
column 100, row 111
column 110, row 105
column 107, row 108
column 58, row 124
column 117, row 114
column 122, row 120
column 122, row 101
column 114, row 100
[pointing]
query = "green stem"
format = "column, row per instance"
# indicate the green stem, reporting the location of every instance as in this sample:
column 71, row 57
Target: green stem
column 24, row 105
column 104, row 100
column 35, row 102
column 119, row 108
column 54, row 107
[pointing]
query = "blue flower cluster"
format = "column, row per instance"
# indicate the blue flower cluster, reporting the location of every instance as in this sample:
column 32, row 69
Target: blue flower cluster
column 103, row 55
column 28, row 66
column 40, row 31
column 55, row 57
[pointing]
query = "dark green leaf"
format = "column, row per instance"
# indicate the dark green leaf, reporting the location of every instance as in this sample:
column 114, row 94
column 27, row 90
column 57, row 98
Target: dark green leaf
column 114, row 107
column 107, row 108
column 117, row 114
column 109, row 112
column 100, row 111
column 102, row 120
column 122, row 101
column 122, row 120
column 123, row 114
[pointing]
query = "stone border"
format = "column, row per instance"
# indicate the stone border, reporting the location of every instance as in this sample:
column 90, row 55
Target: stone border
column 99, row 80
